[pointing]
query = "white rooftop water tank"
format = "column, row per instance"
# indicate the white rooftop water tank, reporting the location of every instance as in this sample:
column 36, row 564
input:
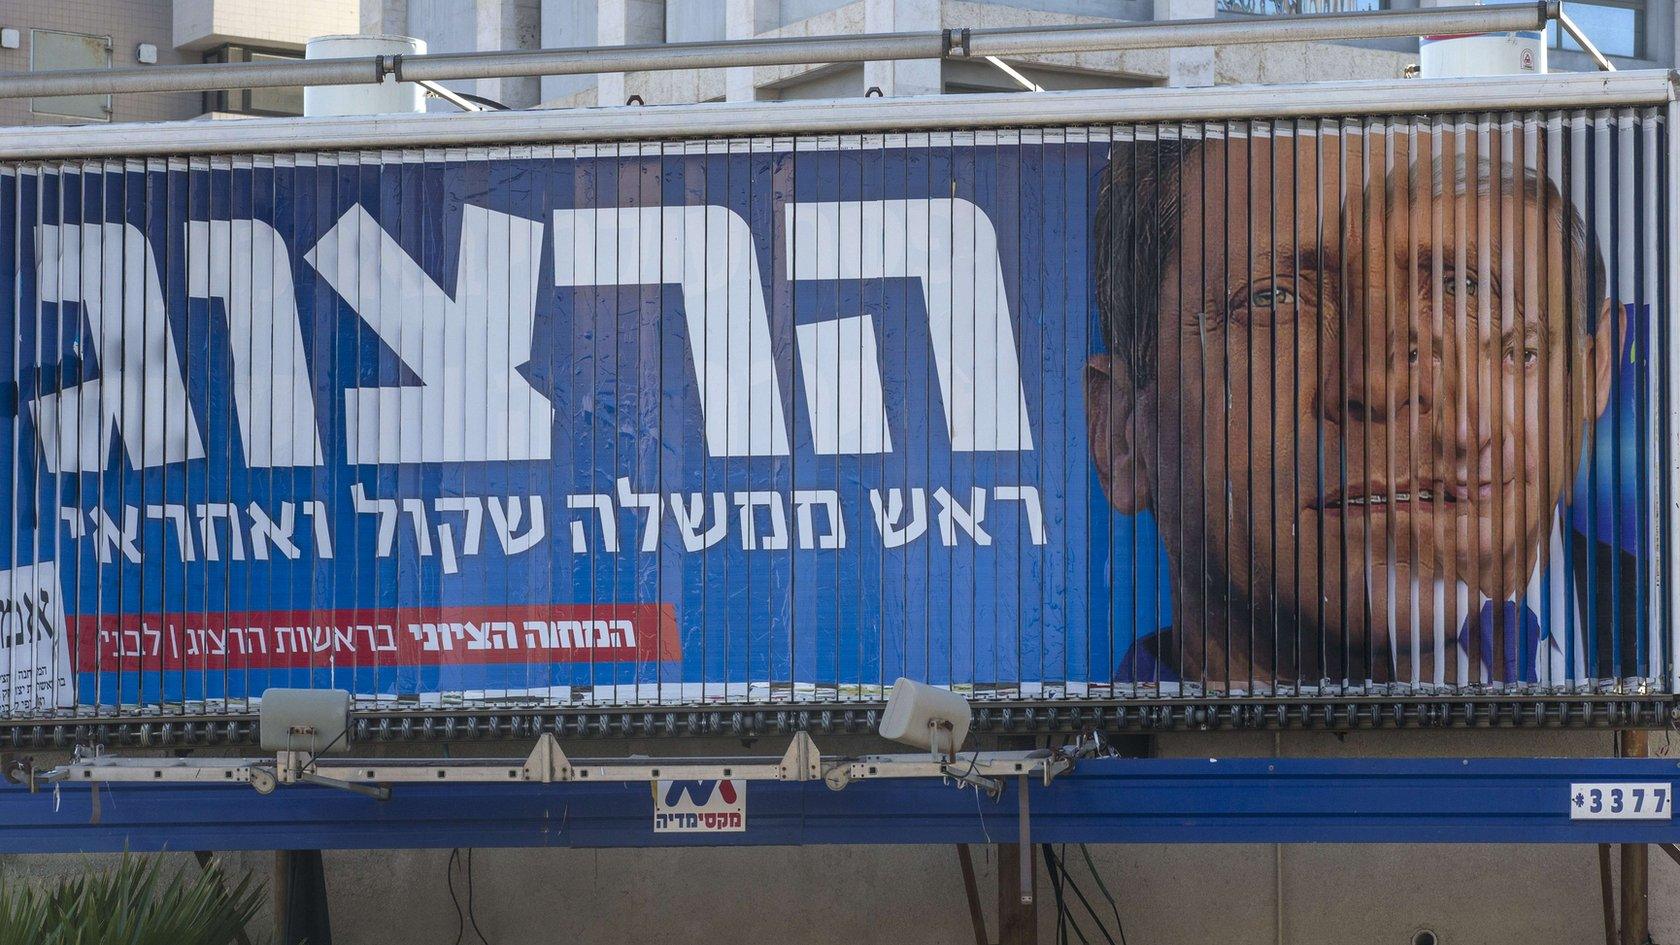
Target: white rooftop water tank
column 388, row 97
column 1520, row 52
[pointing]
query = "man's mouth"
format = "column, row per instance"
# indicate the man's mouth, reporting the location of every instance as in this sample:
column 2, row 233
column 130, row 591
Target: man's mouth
column 1381, row 496
column 1377, row 499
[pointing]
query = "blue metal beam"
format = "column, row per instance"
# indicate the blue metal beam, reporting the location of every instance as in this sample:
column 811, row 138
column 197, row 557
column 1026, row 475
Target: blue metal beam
column 1108, row 801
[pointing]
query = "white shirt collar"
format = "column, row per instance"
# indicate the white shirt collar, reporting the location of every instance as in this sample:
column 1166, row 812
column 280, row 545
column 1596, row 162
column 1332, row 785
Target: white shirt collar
column 1550, row 594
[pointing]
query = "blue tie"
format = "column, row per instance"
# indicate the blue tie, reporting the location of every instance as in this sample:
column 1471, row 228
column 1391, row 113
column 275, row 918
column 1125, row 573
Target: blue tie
column 1522, row 638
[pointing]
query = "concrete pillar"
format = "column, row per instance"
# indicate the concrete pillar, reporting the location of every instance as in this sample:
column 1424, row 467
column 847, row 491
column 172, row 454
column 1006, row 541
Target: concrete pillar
column 625, row 23
column 384, row 16
column 509, row 24
column 1662, row 34
column 567, row 24
column 910, row 76
column 746, row 19
column 1192, row 66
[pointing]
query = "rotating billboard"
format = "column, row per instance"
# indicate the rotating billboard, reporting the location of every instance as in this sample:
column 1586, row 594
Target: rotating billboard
column 1333, row 407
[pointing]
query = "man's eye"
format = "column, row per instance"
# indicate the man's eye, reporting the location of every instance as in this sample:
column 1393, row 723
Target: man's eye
column 1265, row 304
column 1271, row 297
column 1452, row 281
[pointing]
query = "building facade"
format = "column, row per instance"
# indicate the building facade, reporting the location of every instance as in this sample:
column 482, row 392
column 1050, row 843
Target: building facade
column 44, row 35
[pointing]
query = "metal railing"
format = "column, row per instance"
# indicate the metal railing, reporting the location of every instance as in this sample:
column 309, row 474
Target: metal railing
column 944, row 44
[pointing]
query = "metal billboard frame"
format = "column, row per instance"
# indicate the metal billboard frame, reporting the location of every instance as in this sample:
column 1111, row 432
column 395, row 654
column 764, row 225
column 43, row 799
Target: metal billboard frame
column 1112, row 800
column 393, row 721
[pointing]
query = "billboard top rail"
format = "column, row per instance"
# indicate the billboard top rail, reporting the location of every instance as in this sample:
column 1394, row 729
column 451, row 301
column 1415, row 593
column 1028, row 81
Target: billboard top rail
column 846, row 116
column 793, row 50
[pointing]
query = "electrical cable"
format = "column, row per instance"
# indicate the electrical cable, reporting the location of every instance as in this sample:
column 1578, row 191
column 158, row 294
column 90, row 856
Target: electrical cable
column 1056, row 888
column 449, row 877
column 1063, row 918
column 1119, row 924
column 1065, row 883
column 1067, row 880
column 471, row 915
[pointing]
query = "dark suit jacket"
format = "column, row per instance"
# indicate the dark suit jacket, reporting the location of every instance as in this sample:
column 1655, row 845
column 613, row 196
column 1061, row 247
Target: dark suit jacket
column 1608, row 583
column 1613, row 589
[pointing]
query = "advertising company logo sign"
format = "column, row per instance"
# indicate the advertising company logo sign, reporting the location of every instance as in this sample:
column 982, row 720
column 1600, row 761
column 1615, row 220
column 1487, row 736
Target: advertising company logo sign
column 700, row 806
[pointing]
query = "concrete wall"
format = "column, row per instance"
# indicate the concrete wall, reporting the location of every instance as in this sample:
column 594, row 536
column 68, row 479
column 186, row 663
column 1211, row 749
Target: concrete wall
column 1230, row 894
column 128, row 22
column 792, row 11
column 1238, row 894
column 200, row 24
column 695, row 21
column 180, row 29
column 566, row 25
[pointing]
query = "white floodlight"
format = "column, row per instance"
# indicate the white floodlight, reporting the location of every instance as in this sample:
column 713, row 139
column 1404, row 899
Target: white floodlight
column 926, row 717
column 312, row 721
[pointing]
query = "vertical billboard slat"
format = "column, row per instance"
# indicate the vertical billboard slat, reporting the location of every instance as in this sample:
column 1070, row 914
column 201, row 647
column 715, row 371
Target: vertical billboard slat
column 13, row 698
column 1666, row 551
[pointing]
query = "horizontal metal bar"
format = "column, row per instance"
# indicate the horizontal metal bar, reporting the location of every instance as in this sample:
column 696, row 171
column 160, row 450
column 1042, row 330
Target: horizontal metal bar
column 654, row 57
column 844, row 116
column 208, row 77
column 1254, row 800
column 1553, row 711
column 434, row 770
column 163, row 770
column 790, row 50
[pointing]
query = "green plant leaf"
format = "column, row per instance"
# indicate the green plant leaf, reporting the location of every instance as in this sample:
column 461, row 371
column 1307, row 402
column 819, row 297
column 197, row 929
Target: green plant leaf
column 132, row 904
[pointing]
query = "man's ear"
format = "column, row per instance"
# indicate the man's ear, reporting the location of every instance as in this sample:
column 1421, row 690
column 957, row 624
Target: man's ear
column 1110, row 411
column 1606, row 342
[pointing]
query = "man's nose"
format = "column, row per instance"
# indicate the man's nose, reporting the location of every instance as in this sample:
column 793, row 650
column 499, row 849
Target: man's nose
column 1383, row 371
column 1472, row 404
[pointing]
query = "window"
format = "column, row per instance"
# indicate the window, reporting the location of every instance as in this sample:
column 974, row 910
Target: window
column 1616, row 27
column 1291, row 7
column 53, row 51
column 272, row 101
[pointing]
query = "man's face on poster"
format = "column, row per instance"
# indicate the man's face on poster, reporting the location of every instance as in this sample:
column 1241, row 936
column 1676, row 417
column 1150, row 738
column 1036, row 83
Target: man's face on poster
column 1369, row 375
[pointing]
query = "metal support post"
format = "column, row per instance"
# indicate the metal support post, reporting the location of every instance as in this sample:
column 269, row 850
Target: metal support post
column 1017, row 919
column 971, row 889
column 1607, row 893
column 1028, row 875
column 1636, row 916
column 300, row 898
column 1018, row 879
